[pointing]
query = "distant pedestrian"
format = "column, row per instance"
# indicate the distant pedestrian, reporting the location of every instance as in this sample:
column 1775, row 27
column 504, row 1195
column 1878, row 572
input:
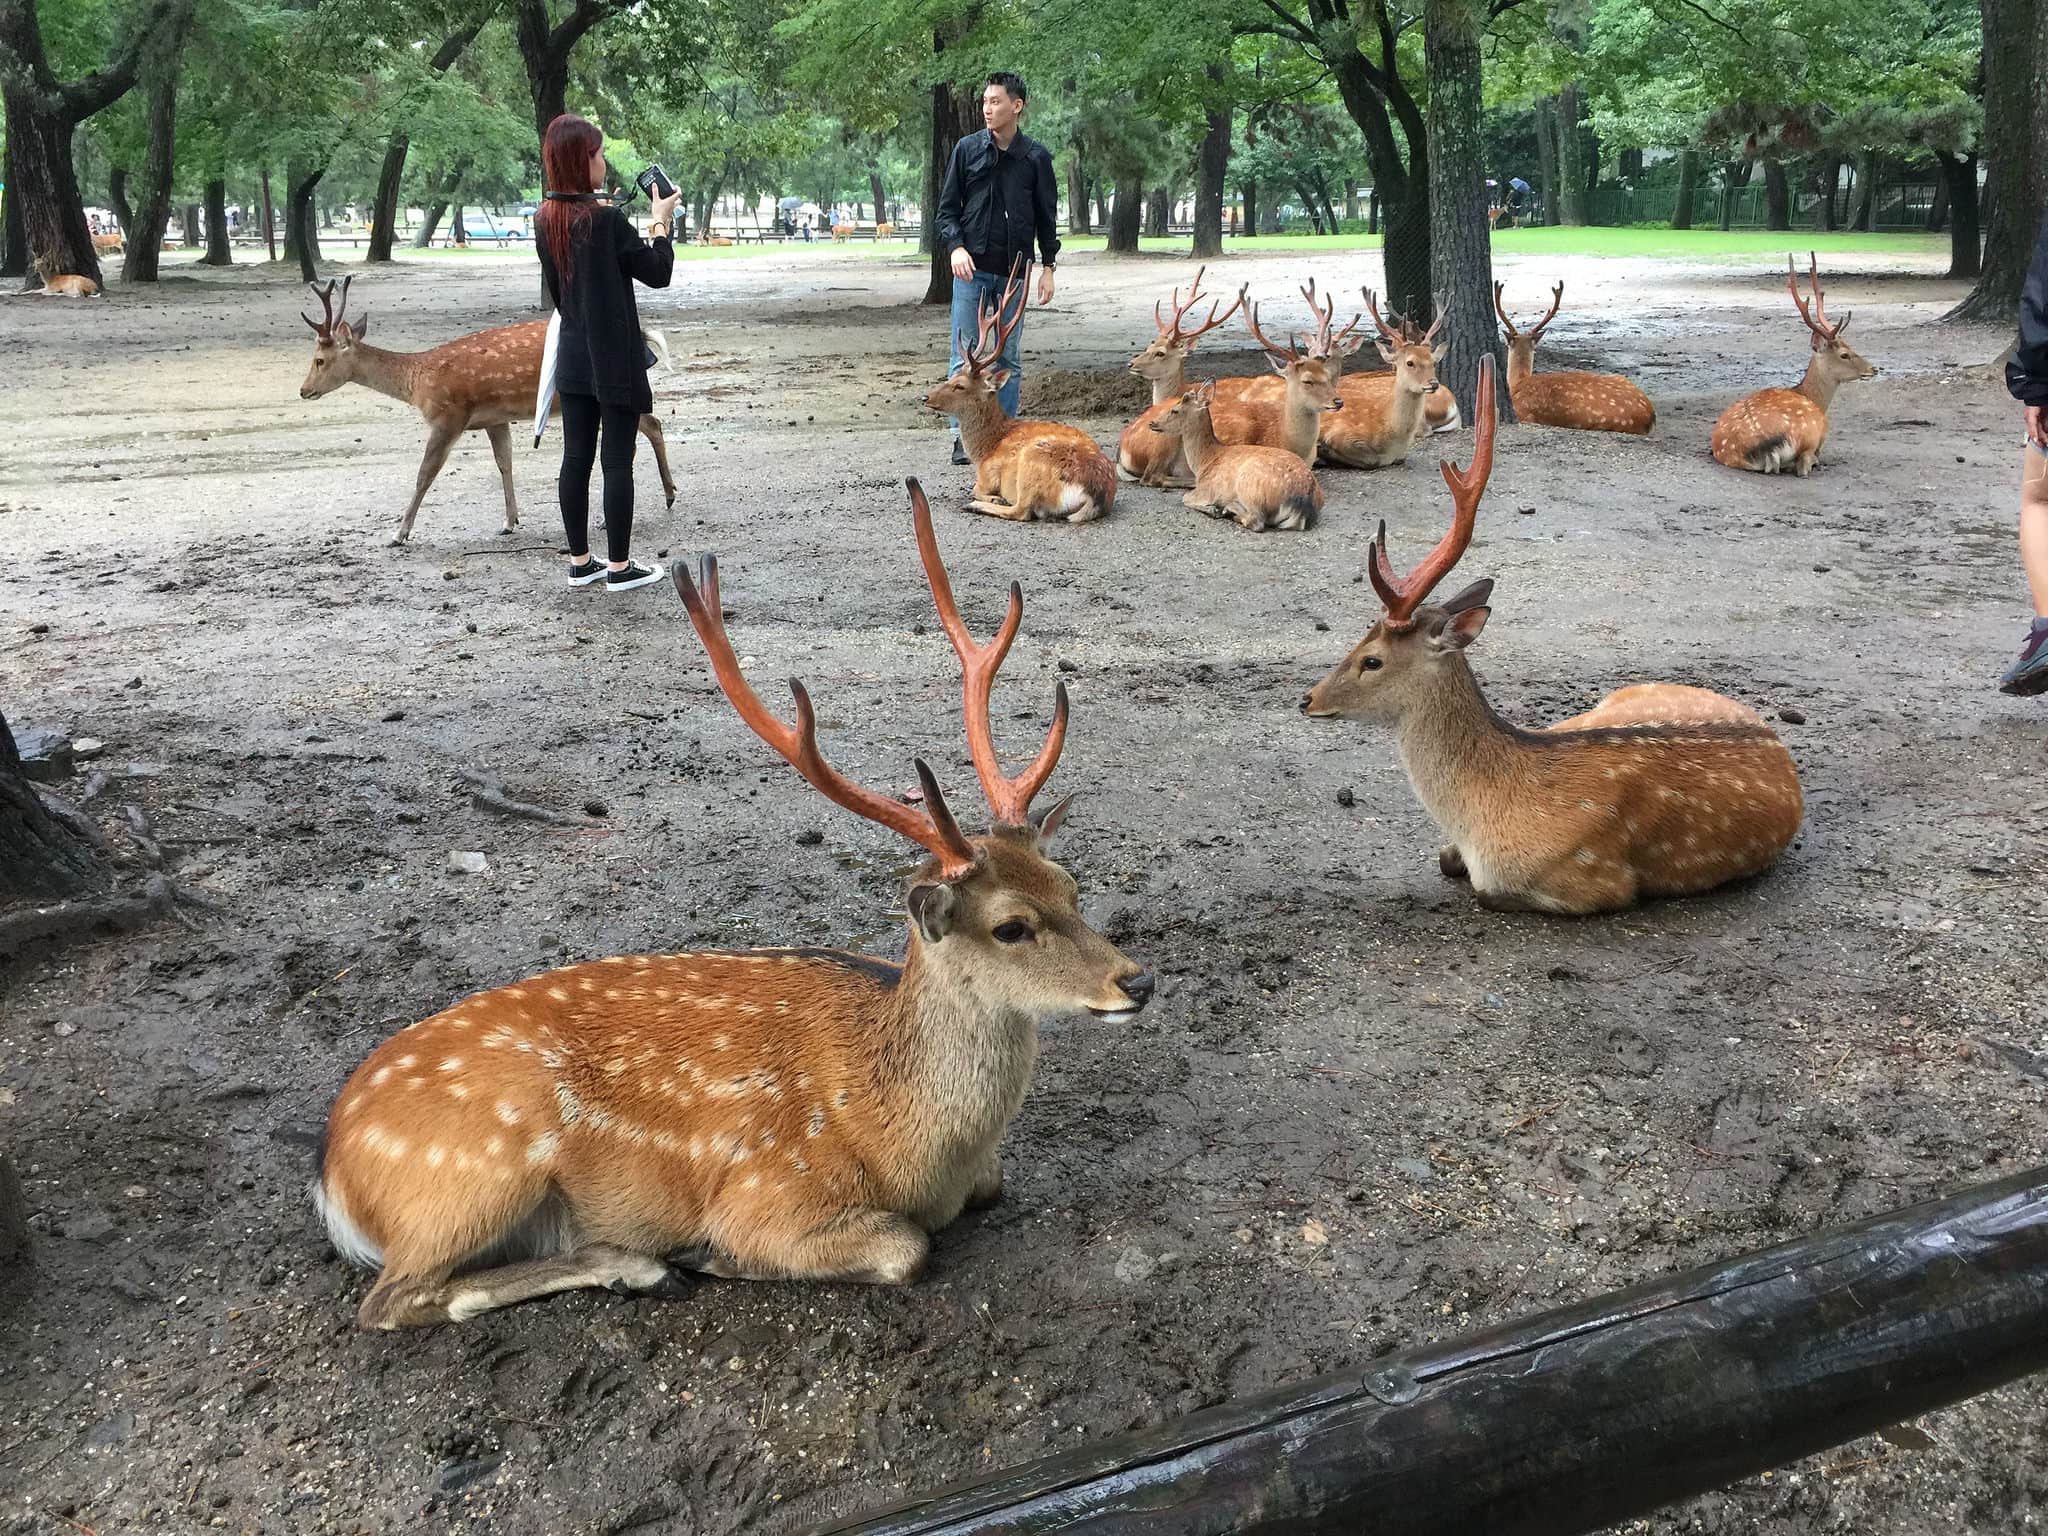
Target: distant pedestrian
column 2027, row 377
column 590, row 257
column 999, row 195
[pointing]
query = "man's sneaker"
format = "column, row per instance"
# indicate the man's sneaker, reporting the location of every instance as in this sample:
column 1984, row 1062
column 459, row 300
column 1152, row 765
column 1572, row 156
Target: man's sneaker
column 583, row 575
column 634, row 575
column 960, row 453
column 2029, row 675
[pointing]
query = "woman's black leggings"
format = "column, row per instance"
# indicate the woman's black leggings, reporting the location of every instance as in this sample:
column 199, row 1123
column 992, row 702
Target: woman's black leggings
column 581, row 418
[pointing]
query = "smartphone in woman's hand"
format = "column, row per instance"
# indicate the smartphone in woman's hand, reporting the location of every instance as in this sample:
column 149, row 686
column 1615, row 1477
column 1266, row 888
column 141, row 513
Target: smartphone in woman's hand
column 654, row 183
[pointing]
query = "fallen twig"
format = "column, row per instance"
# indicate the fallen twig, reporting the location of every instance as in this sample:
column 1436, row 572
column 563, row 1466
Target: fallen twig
column 76, row 1525
column 486, row 792
column 1533, row 1116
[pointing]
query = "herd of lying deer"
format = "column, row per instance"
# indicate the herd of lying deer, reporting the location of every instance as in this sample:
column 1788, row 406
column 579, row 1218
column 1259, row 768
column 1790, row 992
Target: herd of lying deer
column 817, row 1114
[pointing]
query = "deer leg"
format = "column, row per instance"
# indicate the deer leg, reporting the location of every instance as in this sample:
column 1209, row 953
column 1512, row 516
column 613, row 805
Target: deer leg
column 650, row 428
column 1002, row 509
column 1802, row 466
column 988, row 1183
column 860, row 1244
column 1202, row 504
column 440, row 438
column 419, row 1301
column 501, row 450
column 1452, row 863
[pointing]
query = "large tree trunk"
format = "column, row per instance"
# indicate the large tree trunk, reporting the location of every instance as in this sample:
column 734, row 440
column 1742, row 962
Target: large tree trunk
column 384, row 212
column 302, row 222
column 1158, row 212
column 1546, row 160
column 1402, row 185
column 1461, row 253
column 1571, row 159
column 1830, row 186
column 1077, row 191
column 189, row 235
column 1248, row 194
column 1866, row 192
column 545, row 46
column 1405, row 220
column 1351, row 199
column 1688, row 188
column 1212, row 165
column 1937, row 205
column 1125, row 215
column 2015, row 144
column 955, row 114
column 219, row 252
column 1959, row 177
column 435, row 205
column 40, row 857
column 1735, row 177
column 145, row 235
column 13, row 238
column 879, row 193
column 1777, row 196
column 117, row 199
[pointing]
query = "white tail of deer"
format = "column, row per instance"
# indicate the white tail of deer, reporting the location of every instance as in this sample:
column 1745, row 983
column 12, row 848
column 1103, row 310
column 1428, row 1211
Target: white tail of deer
column 1377, row 427
column 774, row 1114
column 1591, row 402
column 1023, row 470
column 1156, row 458
column 1257, row 487
column 482, row 382
column 1659, row 790
column 1773, row 430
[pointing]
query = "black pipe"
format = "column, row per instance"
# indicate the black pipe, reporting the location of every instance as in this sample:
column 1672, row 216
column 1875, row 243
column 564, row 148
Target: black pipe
column 1575, row 1419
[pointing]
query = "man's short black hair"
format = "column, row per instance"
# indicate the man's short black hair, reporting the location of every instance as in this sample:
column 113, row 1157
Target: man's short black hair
column 1012, row 82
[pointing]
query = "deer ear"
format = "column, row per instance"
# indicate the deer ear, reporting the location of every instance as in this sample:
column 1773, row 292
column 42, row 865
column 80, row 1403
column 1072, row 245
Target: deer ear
column 932, row 909
column 1438, row 355
column 1461, row 628
column 1474, row 596
column 1048, row 821
column 1000, row 377
column 1386, row 351
column 361, row 325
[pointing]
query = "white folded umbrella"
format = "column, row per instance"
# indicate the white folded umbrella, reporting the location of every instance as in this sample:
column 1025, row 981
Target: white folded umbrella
column 544, row 398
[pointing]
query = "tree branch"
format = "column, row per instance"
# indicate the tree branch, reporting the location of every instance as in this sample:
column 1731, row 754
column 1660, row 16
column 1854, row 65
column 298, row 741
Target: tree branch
column 80, row 99
column 1292, row 25
column 588, row 14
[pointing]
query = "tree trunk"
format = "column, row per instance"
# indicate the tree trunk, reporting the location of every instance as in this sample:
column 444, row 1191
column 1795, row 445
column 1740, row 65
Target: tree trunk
column 145, row 243
column 2015, row 141
column 1571, row 159
column 1158, row 212
column 1372, row 212
column 384, row 212
column 1734, row 178
column 1461, row 252
column 1546, row 158
column 954, row 116
column 879, row 193
column 1125, row 215
column 1631, row 167
column 1077, row 192
column 1403, row 185
column 40, row 857
column 1830, row 185
column 302, row 222
column 13, row 238
column 1777, row 195
column 269, row 219
column 219, row 253
column 457, row 234
column 1959, row 178
column 1866, row 192
column 1212, row 165
column 117, row 199
column 1937, row 205
column 1351, row 199
column 1405, row 220
column 436, row 205
column 1688, row 188
column 189, row 235
column 1248, row 194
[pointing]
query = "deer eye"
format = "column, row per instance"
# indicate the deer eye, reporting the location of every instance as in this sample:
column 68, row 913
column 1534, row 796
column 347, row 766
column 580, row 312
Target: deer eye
column 1015, row 931
column 1371, row 664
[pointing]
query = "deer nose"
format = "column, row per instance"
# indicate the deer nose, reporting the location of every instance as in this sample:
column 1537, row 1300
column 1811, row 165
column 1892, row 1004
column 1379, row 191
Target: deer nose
column 1434, row 386
column 1138, row 988
column 1306, row 700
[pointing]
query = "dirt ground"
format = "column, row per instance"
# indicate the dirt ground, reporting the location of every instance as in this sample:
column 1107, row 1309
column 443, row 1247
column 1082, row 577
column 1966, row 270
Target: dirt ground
column 1361, row 1112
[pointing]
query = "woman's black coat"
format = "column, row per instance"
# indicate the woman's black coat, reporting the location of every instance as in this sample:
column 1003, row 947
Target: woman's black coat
column 600, row 352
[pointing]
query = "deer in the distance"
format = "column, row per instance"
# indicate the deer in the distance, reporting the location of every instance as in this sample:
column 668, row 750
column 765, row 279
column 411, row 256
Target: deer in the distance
column 1378, row 427
column 63, row 285
column 1308, row 376
column 1772, row 430
column 799, row 1114
column 1658, row 790
column 1154, row 458
column 1257, row 487
column 1591, row 402
column 1023, row 470
column 482, row 382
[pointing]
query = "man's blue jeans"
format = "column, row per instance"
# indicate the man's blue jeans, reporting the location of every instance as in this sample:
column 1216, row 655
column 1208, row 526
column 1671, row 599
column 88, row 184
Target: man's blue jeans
column 969, row 299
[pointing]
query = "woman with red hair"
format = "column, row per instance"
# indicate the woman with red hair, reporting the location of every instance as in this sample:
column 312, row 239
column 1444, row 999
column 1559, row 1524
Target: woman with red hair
column 590, row 256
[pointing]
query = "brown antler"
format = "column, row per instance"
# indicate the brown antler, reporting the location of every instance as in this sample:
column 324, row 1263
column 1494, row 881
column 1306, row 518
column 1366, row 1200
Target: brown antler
column 1501, row 310
column 333, row 312
column 1170, row 331
column 932, row 829
column 1009, row 799
column 1816, row 318
column 1387, row 332
column 1533, row 333
column 1403, row 595
column 994, row 329
column 1280, row 357
column 1325, row 345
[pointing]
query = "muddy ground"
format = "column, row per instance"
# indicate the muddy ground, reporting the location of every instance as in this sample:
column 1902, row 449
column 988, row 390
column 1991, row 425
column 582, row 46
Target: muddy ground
column 1361, row 1113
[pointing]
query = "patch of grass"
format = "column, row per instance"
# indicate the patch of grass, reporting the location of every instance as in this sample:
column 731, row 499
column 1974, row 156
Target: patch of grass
column 1641, row 241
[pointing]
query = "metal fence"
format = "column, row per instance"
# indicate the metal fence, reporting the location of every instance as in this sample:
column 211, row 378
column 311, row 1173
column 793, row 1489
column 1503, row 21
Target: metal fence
column 1900, row 206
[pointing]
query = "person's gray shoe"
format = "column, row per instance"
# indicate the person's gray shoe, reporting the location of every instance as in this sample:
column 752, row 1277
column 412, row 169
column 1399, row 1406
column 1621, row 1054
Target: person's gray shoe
column 2029, row 675
column 960, row 453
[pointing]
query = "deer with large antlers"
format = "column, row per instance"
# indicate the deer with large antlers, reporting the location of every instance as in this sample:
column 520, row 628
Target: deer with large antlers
column 1156, row 458
column 1256, row 487
column 1370, row 395
column 1379, row 426
column 1658, row 790
column 1023, row 470
column 1308, row 375
column 1772, row 430
column 482, row 382
column 1591, row 402
column 803, row 1114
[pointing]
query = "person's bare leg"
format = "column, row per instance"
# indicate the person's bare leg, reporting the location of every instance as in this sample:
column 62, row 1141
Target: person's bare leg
column 2034, row 526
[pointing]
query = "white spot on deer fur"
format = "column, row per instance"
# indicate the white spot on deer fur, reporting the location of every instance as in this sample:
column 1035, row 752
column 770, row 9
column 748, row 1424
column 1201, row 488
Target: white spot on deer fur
column 508, row 1112
column 566, row 1101
column 380, row 1077
column 721, row 1042
column 543, row 1147
column 559, row 994
column 816, row 1124
column 495, row 1147
column 1586, row 856
column 615, row 1066
column 405, row 1063
column 839, row 1099
column 436, row 1156
column 458, row 1090
column 452, row 1064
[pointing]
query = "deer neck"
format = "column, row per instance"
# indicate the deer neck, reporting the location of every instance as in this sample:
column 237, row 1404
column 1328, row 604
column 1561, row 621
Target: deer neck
column 388, row 373
column 1818, row 385
column 1460, row 756
column 1171, row 385
column 1304, row 421
column 982, row 425
column 955, row 1064
column 1404, row 413
column 1198, row 440
column 1521, row 361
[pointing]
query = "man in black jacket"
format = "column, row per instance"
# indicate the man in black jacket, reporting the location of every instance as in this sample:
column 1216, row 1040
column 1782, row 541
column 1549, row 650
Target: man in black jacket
column 999, row 194
column 2027, row 377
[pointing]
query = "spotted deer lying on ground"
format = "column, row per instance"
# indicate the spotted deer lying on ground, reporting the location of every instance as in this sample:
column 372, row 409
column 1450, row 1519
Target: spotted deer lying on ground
column 63, row 285
column 477, row 383
column 1772, row 430
column 1591, row 402
column 1023, row 470
column 1658, row 790
column 1378, row 427
column 1156, row 458
column 1370, row 395
column 806, row 1114
column 1257, row 487
column 1308, row 377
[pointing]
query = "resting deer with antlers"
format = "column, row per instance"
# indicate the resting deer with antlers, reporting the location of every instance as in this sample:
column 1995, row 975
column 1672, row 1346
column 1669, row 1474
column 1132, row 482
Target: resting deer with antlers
column 1256, row 487
column 1378, row 427
column 1023, row 470
column 1370, row 395
column 1591, row 402
column 1308, row 377
column 1156, row 458
column 477, row 383
column 1773, row 430
column 802, row 1114
column 1658, row 790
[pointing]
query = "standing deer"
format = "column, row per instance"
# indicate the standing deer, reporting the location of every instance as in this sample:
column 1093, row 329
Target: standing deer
column 1658, row 790
column 477, row 383
column 1155, row 458
column 806, row 1114
column 1772, row 430
column 1309, row 377
column 1592, row 402
column 1257, row 487
column 1022, row 469
column 1380, row 426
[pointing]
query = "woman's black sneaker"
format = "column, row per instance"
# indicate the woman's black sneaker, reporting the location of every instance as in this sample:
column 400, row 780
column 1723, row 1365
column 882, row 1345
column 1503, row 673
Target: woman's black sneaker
column 634, row 575
column 583, row 575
